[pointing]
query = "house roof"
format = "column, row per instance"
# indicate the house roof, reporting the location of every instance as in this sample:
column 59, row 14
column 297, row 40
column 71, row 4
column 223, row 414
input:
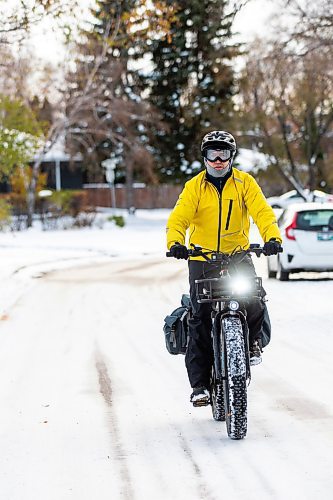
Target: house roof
column 58, row 153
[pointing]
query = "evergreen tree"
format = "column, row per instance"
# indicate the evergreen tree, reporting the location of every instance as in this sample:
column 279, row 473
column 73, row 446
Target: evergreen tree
column 192, row 82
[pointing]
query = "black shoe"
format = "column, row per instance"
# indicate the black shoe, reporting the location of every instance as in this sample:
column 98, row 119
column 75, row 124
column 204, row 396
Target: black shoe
column 255, row 354
column 200, row 396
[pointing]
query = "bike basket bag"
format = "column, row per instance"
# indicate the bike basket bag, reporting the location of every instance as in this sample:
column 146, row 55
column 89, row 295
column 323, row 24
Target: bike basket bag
column 266, row 329
column 176, row 328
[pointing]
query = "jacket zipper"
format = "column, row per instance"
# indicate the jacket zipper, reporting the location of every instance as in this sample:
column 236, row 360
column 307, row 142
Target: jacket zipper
column 229, row 214
column 220, row 218
column 220, row 223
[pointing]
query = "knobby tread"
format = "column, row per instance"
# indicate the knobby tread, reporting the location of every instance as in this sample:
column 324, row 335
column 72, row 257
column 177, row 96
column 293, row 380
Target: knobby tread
column 235, row 387
column 217, row 397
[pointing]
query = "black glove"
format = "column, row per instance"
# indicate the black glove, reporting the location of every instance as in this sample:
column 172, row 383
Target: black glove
column 179, row 251
column 272, row 247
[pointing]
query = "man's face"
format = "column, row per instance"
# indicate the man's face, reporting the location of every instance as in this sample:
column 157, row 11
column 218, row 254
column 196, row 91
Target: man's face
column 219, row 165
column 218, row 159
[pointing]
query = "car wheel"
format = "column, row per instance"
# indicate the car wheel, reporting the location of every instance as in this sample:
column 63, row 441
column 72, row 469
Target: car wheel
column 271, row 274
column 281, row 274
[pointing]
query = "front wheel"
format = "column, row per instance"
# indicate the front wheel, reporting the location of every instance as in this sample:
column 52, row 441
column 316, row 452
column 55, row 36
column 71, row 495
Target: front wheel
column 234, row 370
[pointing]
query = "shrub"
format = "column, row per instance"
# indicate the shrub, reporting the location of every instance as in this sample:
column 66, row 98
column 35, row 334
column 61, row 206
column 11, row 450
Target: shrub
column 70, row 202
column 18, row 195
column 5, row 214
column 68, row 209
column 117, row 219
column 85, row 219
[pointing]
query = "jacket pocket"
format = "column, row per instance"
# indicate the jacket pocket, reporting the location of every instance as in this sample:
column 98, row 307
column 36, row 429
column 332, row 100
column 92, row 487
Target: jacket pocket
column 228, row 215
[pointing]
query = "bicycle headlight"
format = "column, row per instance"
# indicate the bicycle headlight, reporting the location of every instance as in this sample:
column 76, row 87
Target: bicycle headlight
column 241, row 285
column 233, row 304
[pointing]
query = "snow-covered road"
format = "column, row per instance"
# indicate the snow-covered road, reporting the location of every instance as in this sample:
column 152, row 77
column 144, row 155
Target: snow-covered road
column 93, row 406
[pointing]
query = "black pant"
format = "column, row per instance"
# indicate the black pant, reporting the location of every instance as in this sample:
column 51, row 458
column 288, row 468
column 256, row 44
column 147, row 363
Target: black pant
column 199, row 355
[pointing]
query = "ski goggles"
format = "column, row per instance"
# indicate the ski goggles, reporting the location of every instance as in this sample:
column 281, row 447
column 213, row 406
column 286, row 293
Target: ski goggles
column 217, row 154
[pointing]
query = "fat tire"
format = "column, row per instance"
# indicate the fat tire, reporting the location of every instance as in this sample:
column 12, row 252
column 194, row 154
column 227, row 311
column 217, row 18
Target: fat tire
column 217, row 398
column 235, row 383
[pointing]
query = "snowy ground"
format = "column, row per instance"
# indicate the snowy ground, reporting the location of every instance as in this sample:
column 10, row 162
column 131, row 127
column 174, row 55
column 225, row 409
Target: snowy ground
column 31, row 253
column 93, row 406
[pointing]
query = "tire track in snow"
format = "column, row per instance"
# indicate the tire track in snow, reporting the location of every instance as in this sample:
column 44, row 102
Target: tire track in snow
column 105, row 388
column 203, row 489
column 136, row 273
column 138, row 266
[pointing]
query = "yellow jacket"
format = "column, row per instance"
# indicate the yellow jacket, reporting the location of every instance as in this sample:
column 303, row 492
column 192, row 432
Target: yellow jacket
column 221, row 223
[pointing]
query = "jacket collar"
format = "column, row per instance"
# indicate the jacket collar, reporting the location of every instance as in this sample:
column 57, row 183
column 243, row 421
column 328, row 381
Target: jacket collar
column 217, row 180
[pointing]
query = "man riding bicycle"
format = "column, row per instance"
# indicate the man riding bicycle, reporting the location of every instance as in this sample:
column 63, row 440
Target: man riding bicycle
column 216, row 206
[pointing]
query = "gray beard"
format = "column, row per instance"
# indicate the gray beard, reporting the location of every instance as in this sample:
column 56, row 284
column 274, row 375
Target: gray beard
column 217, row 173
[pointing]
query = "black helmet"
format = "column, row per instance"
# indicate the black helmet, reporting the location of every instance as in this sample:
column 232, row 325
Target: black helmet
column 218, row 139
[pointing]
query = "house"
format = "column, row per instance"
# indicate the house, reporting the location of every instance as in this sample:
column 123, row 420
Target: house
column 63, row 172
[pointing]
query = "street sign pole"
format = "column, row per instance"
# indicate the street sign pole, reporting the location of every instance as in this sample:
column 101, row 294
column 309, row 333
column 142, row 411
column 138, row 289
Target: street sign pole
column 110, row 166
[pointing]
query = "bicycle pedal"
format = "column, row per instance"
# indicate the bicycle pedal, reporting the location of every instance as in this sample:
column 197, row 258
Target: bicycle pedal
column 201, row 402
column 255, row 361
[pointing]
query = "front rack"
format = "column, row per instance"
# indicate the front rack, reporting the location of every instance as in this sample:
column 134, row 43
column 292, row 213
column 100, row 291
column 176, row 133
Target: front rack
column 227, row 288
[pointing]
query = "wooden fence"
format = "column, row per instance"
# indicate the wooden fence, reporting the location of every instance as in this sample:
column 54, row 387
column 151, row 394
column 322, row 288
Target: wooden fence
column 161, row 196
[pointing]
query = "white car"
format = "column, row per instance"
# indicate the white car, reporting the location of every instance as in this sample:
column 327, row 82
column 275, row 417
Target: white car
column 291, row 197
column 307, row 232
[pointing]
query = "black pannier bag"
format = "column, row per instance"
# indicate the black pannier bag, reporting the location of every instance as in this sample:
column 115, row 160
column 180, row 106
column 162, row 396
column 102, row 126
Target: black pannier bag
column 176, row 327
column 265, row 329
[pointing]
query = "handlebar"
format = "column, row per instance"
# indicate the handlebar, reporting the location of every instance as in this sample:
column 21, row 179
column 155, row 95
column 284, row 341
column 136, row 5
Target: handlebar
column 198, row 251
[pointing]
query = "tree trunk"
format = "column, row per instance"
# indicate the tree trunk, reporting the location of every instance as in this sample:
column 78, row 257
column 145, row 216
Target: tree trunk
column 129, row 186
column 30, row 206
column 31, row 191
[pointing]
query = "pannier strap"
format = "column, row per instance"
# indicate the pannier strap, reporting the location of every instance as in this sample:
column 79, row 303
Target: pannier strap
column 171, row 320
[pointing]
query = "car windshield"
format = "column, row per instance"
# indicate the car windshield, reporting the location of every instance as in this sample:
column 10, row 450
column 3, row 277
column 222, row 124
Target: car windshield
column 315, row 220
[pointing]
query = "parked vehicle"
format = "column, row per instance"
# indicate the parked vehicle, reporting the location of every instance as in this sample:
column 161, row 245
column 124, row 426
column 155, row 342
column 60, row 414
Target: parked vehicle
column 307, row 231
column 293, row 196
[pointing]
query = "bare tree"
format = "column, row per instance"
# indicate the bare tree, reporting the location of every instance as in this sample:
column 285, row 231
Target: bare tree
column 91, row 112
column 288, row 106
column 122, row 124
column 312, row 26
column 17, row 16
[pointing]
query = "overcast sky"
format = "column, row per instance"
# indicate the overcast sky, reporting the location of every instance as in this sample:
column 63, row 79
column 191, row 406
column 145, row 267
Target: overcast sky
column 252, row 20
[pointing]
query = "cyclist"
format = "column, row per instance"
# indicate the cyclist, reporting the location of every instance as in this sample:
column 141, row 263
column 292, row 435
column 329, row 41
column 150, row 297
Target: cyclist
column 216, row 205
